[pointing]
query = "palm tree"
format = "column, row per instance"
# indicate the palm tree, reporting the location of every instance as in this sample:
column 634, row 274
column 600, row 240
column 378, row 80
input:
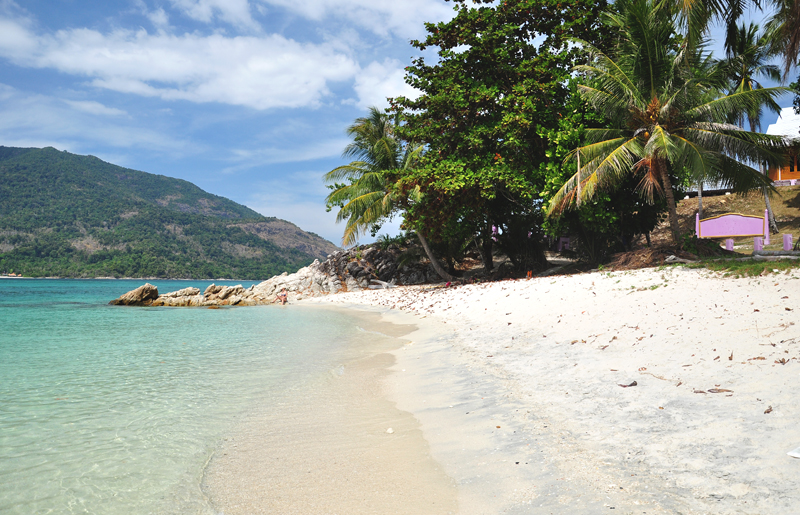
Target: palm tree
column 783, row 27
column 749, row 59
column 368, row 197
column 663, row 117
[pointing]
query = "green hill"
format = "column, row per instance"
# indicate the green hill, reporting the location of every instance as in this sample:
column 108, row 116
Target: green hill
column 67, row 215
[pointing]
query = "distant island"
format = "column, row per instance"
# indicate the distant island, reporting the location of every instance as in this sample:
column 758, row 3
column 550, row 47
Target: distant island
column 66, row 215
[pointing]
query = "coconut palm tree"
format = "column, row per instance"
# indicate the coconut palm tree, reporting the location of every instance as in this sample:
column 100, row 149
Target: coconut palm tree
column 663, row 117
column 368, row 197
column 749, row 59
column 783, row 27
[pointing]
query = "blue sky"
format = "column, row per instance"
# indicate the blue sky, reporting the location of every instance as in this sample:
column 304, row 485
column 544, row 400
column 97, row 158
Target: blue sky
column 248, row 99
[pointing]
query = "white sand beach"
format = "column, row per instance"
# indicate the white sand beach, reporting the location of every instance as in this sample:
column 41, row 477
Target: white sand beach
column 516, row 386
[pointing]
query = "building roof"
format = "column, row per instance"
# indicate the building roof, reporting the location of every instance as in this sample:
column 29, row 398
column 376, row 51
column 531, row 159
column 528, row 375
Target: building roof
column 787, row 124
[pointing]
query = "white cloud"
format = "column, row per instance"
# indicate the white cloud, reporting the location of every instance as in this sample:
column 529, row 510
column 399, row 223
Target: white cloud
column 92, row 107
column 158, row 18
column 378, row 81
column 383, row 17
column 235, row 12
column 40, row 120
column 258, row 72
column 245, row 159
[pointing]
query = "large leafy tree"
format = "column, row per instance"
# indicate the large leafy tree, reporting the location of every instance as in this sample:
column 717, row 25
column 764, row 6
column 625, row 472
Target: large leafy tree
column 486, row 107
column 663, row 117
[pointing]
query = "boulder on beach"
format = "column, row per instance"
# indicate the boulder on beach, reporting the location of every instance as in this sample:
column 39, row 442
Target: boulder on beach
column 141, row 296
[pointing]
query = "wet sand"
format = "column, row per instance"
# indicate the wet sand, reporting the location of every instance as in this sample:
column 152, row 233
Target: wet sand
column 336, row 445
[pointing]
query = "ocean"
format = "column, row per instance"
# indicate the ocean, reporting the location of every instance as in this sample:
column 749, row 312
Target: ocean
column 118, row 410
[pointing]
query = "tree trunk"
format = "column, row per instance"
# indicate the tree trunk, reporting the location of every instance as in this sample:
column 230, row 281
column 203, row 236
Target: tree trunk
column 700, row 198
column 434, row 262
column 773, row 226
column 486, row 249
column 674, row 225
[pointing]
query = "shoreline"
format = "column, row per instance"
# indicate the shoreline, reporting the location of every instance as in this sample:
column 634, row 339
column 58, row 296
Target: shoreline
column 551, row 356
column 335, row 444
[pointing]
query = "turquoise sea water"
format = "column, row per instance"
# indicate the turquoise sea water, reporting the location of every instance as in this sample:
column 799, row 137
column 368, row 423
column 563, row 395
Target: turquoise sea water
column 116, row 410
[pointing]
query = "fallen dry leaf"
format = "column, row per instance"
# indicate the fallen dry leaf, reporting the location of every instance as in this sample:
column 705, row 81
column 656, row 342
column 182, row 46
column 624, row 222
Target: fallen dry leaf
column 629, row 385
column 768, row 410
column 719, row 390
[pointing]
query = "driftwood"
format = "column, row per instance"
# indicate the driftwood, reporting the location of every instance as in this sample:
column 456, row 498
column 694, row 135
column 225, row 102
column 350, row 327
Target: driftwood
column 782, row 253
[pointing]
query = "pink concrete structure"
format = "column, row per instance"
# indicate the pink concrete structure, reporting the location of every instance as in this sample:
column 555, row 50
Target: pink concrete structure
column 758, row 243
column 731, row 225
column 787, row 242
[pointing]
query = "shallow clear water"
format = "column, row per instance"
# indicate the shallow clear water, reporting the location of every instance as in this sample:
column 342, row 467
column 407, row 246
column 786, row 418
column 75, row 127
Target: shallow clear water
column 115, row 410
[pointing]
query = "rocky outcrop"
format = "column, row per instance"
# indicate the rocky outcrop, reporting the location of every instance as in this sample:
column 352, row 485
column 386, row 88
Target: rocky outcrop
column 347, row 270
column 214, row 295
column 141, row 296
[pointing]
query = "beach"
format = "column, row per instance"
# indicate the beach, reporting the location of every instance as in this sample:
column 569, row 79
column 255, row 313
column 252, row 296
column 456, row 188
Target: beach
column 651, row 391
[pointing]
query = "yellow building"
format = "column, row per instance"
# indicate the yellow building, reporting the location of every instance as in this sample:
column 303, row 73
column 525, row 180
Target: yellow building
column 787, row 124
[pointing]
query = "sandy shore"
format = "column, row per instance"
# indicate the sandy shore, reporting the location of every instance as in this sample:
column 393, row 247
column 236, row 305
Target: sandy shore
column 516, row 386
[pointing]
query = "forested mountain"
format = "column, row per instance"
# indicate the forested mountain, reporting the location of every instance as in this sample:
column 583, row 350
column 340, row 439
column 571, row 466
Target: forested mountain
column 67, row 215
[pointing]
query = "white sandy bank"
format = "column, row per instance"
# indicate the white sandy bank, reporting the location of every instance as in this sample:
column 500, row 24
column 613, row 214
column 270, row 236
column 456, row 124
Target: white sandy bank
column 544, row 359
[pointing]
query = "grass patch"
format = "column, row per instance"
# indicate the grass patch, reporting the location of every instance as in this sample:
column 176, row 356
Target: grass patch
column 747, row 268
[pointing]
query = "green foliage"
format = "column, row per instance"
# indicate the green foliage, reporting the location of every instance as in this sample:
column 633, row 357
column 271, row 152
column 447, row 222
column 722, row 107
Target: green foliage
column 368, row 198
column 76, row 216
column 666, row 113
column 749, row 58
column 385, row 241
column 795, row 87
column 690, row 243
column 486, row 112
